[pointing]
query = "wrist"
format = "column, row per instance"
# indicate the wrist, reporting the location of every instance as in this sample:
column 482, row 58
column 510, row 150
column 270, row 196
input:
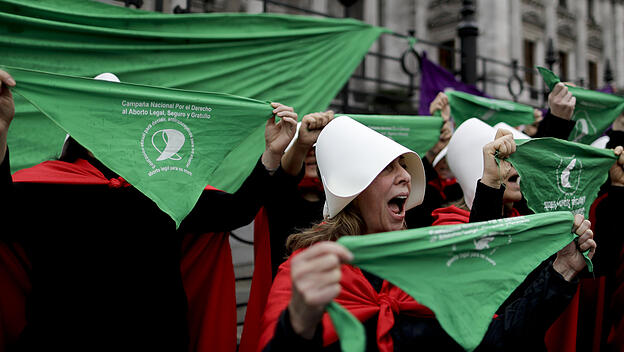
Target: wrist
column 302, row 326
column 490, row 181
column 561, row 115
column 271, row 160
column 564, row 270
column 302, row 147
column 430, row 155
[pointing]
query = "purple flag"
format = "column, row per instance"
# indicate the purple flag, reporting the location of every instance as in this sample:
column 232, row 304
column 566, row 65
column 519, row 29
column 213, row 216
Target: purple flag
column 607, row 89
column 435, row 79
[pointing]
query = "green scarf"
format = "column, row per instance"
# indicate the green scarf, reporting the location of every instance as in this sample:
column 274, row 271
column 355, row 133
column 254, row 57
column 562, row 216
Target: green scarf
column 491, row 111
column 418, row 133
column 594, row 111
column 299, row 61
column 463, row 273
column 560, row 175
column 168, row 143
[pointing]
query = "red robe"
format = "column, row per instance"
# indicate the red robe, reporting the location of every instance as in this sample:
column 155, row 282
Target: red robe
column 357, row 296
column 206, row 268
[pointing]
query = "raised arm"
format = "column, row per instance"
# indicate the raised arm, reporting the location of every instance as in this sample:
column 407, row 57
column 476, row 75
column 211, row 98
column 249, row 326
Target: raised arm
column 7, row 110
column 488, row 200
column 311, row 127
column 221, row 211
column 558, row 121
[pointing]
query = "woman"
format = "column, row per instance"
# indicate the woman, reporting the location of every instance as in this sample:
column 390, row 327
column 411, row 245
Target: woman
column 305, row 198
column 105, row 259
column 370, row 181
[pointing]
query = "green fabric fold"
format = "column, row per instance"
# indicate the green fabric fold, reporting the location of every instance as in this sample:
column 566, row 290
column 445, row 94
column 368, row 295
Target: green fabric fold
column 491, row 111
column 463, row 273
column 351, row 334
column 560, row 175
column 295, row 60
column 418, row 133
column 168, row 143
column 594, row 111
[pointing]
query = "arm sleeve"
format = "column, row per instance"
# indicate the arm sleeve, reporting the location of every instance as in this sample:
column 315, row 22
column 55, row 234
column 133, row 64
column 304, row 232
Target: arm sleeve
column 284, row 213
column 6, row 181
column 615, row 138
column 9, row 201
column 220, row 211
column 608, row 233
column 487, row 204
column 286, row 339
column 523, row 323
column 554, row 126
column 420, row 216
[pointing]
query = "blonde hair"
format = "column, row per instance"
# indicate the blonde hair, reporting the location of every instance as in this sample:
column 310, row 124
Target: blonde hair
column 347, row 222
column 461, row 204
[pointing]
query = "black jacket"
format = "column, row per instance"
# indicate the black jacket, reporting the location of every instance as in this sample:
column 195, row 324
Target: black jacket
column 106, row 261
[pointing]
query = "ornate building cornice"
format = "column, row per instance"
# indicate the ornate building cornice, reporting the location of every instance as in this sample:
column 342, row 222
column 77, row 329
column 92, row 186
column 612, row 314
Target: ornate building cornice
column 565, row 13
column 535, row 4
column 443, row 18
column 534, row 18
column 566, row 30
column 437, row 3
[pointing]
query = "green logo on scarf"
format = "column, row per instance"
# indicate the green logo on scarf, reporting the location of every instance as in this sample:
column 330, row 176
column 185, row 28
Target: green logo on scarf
column 594, row 111
column 463, row 273
column 168, row 143
column 560, row 175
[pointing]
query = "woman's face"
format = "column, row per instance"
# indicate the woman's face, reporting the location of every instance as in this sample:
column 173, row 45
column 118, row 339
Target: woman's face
column 310, row 164
column 382, row 203
column 443, row 170
column 512, row 189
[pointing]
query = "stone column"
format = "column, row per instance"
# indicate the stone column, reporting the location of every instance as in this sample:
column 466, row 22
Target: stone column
column 319, row 6
column 398, row 16
column 551, row 22
column 618, row 63
column 581, row 41
column 493, row 18
column 515, row 34
column 372, row 64
column 255, row 6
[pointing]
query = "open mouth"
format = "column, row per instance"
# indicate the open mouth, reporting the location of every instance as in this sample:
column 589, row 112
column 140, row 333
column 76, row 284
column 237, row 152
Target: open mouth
column 514, row 178
column 397, row 204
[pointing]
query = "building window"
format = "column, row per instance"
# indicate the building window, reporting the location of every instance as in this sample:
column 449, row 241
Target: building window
column 529, row 62
column 592, row 71
column 446, row 55
column 563, row 65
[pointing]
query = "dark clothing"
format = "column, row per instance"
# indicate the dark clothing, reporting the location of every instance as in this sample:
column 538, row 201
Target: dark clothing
column 553, row 126
column 616, row 138
column 608, row 232
column 520, row 326
column 420, row 216
column 289, row 212
column 106, row 261
column 487, row 203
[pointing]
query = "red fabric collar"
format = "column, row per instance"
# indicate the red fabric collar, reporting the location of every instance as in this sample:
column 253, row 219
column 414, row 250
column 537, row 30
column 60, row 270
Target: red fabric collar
column 80, row 172
column 357, row 296
column 512, row 213
column 313, row 183
column 453, row 215
column 440, row 184
column 450, row 216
